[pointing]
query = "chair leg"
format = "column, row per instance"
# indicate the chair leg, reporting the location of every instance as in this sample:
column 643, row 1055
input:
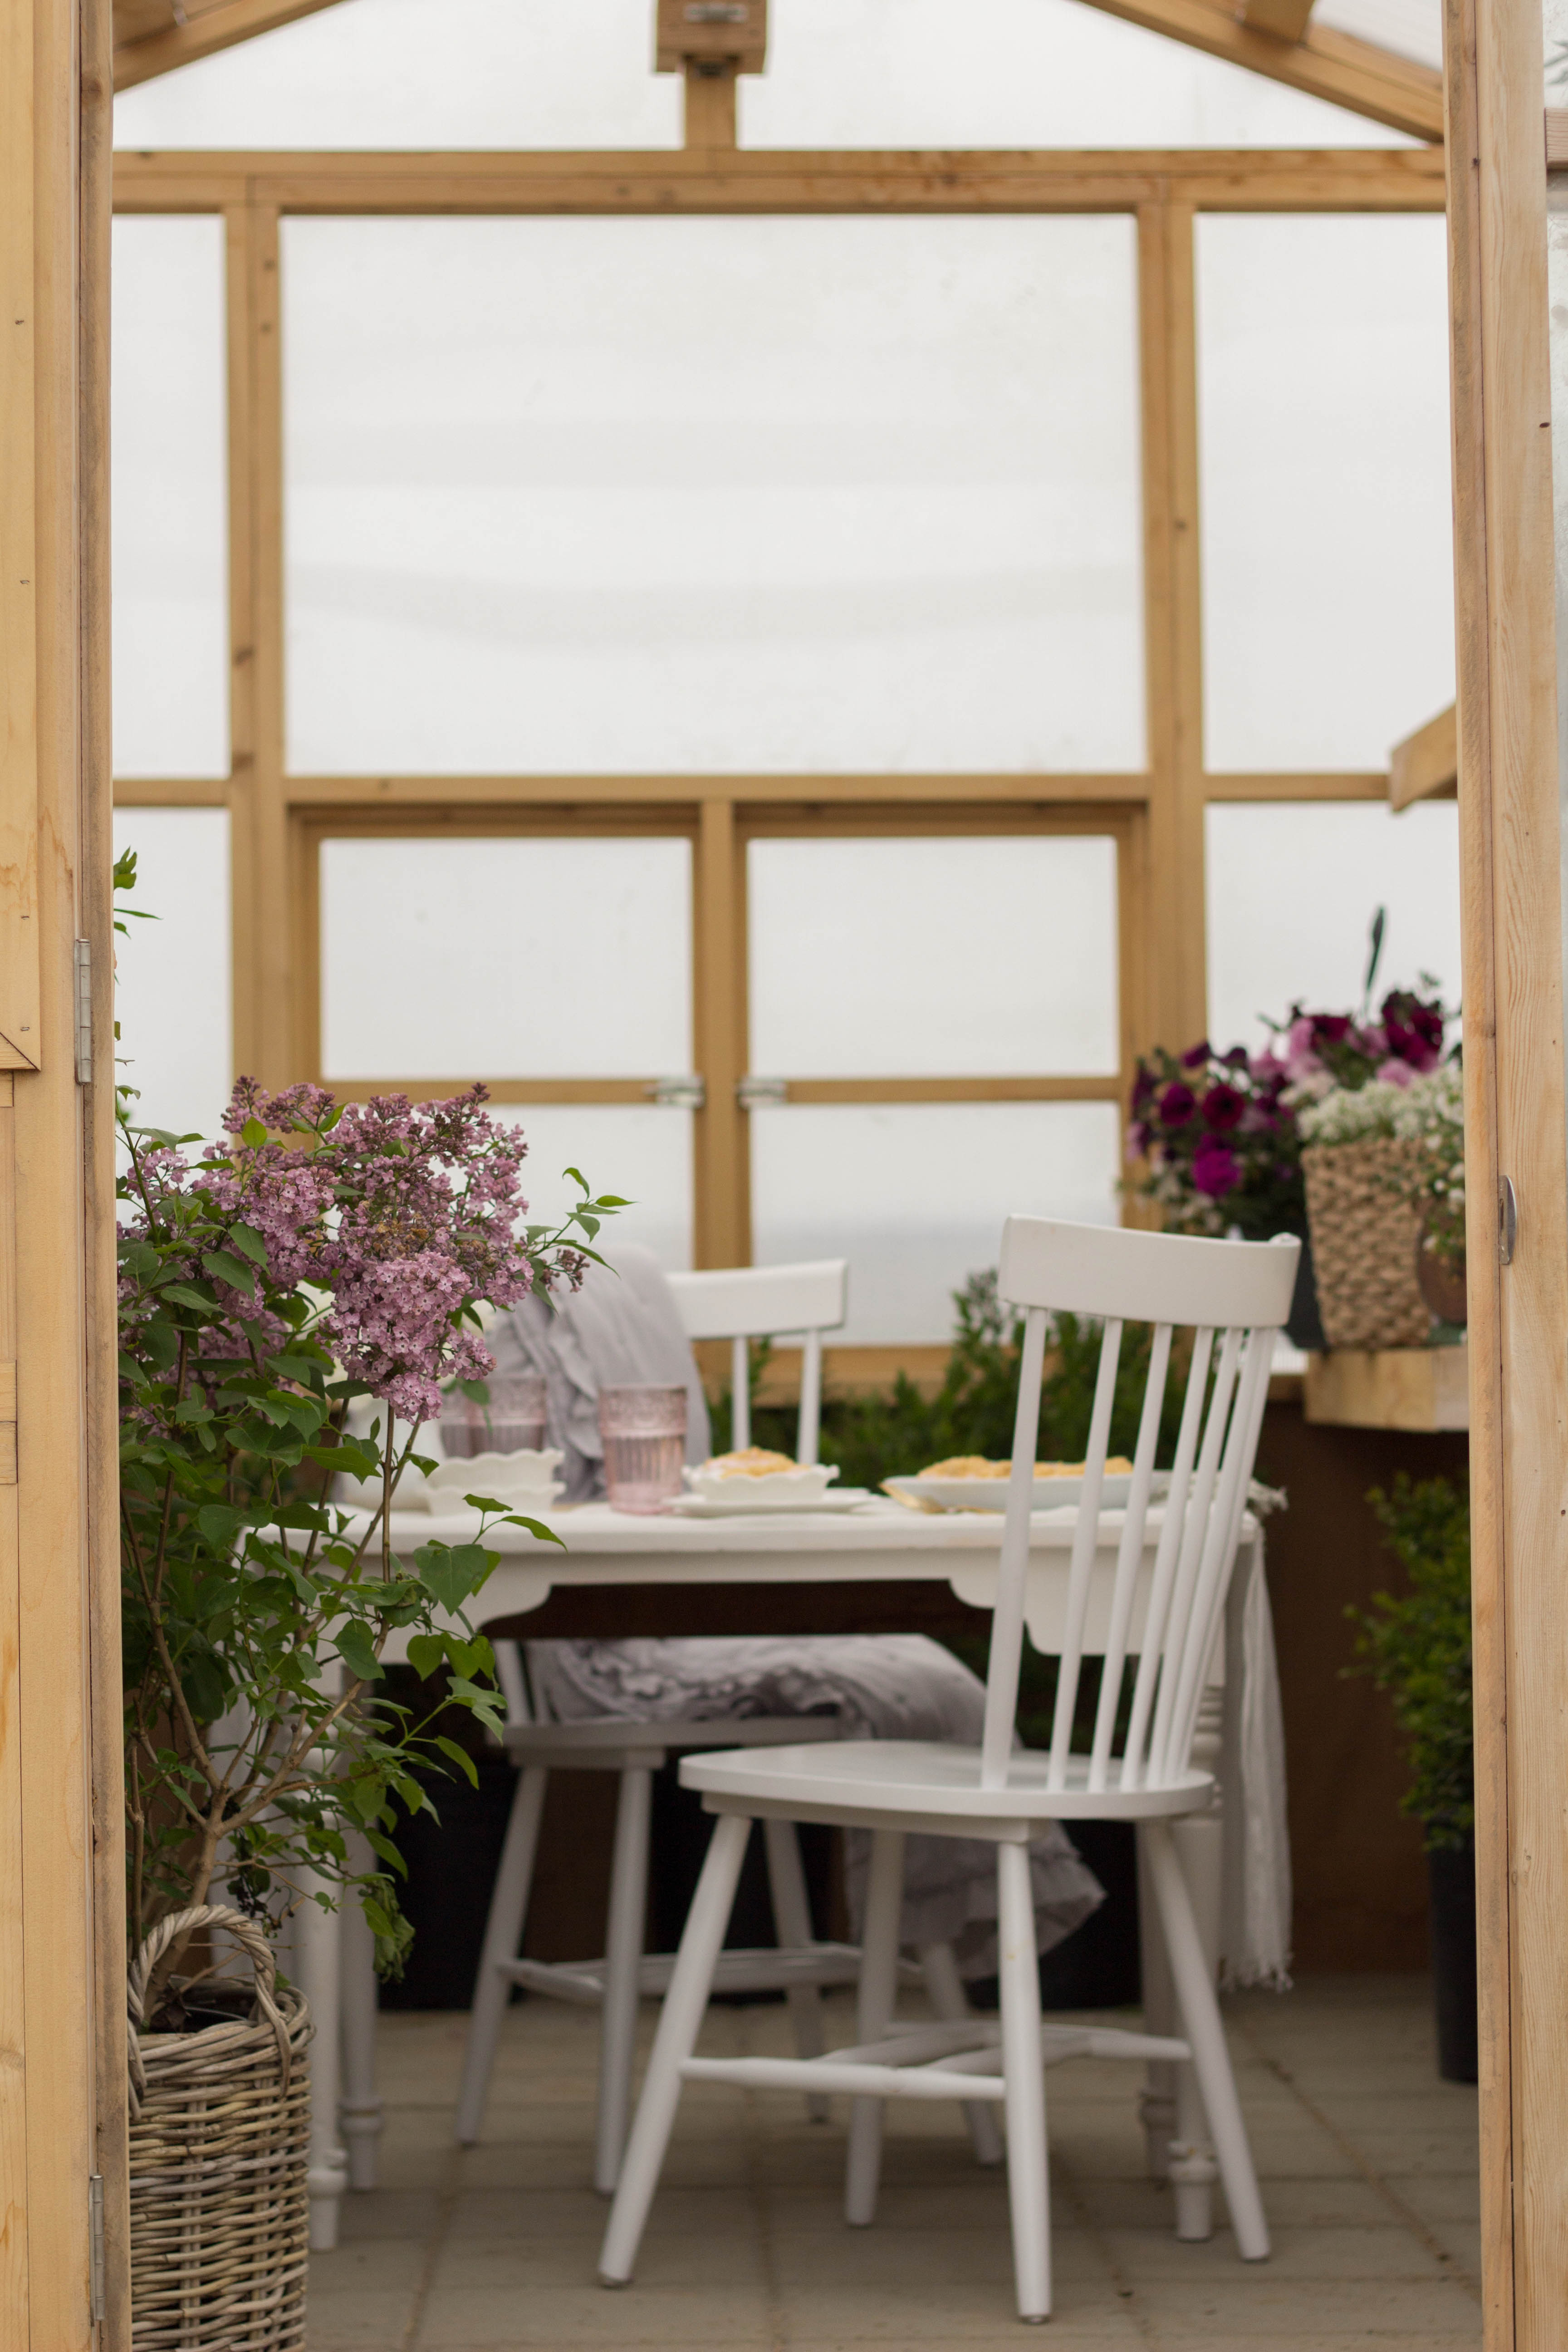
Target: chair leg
column 1157, row 2100
column 623, row 1967
column 680, row 2023
column 1023, row 2062
column 879, row 1992
column 791, row 1927
column 503, row 1935
column 1198, row 1841
column 944, row 1990
column 1203, row 2027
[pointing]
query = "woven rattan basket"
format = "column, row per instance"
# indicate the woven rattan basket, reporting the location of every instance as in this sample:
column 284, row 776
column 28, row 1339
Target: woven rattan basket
column 220, row 2133
column 1364, row 1243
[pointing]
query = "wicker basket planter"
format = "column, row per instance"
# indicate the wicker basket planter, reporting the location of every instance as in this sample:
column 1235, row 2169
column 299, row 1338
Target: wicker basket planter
column 220, row 2131
column 1364, row 1243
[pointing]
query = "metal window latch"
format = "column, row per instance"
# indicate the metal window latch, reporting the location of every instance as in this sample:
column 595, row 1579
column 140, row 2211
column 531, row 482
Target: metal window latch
column 677, row 1094
column 761, row 1094
column 1507, row 1221
column 84, row 1013
column 95, row 2245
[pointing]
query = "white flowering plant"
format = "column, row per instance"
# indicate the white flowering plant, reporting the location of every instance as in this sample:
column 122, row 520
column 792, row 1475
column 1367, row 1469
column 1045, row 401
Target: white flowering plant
column 1428, row 1111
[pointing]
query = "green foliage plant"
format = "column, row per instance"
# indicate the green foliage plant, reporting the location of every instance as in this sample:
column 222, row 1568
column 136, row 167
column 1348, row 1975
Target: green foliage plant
column 316, row 1254
column 1416, row 1646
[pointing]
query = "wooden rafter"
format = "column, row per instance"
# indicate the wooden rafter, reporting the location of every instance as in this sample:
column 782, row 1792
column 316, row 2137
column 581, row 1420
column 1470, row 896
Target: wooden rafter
column 1353, row 73
column 153, row 37
column 1286, row 19
column 1425, row 766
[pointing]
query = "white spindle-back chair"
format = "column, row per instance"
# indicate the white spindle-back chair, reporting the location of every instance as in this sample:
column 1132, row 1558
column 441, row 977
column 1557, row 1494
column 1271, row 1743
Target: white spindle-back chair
column 1165, row 1613
column 739, row 1304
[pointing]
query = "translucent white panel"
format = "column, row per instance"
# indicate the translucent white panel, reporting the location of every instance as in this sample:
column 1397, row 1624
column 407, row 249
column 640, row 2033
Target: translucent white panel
column 1412, row 29
column 172, row 986
column 1023, row 73
column 506, row 958
column 1326, row 509
column 1292, row 889
column 712, row 494
column 170, row 497
column 643, row 1155
column 950, row 957
column 406, row 73
column 915, row 1194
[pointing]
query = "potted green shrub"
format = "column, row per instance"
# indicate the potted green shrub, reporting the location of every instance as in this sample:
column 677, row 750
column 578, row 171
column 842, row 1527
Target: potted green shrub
column 1417, row 1648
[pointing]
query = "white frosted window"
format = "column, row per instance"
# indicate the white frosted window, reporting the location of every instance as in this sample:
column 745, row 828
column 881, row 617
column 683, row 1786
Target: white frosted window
column 979, row 956
column 705, row 495
column 1326, row 502
column 915, row 1196
column 643, row 1155
column 1411, row 28
column 1292, row 889
column 170, row 496
column 422, row 73
column 1018, row 73
column 171, row 988
column 506, row 958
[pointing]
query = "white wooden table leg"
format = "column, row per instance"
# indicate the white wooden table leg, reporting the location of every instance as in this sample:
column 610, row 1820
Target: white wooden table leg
column 361, row 2109
column 318, row 1963
column 622, row 1966
column 879, row 1992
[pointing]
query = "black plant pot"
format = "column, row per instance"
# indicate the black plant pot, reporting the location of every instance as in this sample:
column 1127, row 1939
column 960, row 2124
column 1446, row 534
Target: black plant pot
column 1304, row 1325
column 1451, row 1878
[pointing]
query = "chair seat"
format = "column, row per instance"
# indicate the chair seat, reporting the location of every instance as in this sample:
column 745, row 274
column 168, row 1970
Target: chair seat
column 600, row 1741
column 884, row 1781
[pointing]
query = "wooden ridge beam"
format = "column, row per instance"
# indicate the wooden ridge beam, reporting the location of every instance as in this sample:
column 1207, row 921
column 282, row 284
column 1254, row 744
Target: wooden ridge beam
column 153, row 37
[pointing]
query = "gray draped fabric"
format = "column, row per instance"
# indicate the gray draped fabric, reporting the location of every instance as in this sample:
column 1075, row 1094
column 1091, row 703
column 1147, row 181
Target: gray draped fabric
column 622, row 1328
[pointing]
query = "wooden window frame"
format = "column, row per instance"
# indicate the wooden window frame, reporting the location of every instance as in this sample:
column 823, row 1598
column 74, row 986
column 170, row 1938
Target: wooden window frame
column 1156, row 813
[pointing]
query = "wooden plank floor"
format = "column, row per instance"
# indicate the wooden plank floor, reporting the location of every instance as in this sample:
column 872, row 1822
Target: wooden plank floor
column 1368, row 2165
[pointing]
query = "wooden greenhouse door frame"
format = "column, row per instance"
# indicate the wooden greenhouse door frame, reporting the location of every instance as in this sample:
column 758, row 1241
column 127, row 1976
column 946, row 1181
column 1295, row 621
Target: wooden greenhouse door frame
column 62, row 2082
column 1511, row 917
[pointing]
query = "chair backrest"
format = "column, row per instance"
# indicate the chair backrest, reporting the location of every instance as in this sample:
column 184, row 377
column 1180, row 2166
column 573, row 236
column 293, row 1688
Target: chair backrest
column 1233, row 1295
column 760, row 1302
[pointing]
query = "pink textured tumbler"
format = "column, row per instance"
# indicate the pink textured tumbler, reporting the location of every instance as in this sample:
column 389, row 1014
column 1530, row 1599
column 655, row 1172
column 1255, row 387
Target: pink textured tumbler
column 644, row 1436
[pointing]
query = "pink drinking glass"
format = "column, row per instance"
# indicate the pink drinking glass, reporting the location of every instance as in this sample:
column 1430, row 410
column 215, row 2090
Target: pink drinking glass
column 512, row 1421
column 644, row 1436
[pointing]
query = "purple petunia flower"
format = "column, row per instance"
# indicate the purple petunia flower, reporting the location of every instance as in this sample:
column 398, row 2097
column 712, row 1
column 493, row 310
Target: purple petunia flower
column 1196, row 1055
column 1177, row 1105
column 1221, row 1108
column 1214, row 1170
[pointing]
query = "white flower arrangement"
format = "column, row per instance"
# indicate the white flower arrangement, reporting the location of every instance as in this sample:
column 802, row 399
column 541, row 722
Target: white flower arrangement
column 1429, row 1111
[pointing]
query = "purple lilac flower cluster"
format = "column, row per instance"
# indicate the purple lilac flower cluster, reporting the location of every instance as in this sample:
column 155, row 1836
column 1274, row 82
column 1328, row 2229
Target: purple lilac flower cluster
column 1217, row 1131
column 401, row 1216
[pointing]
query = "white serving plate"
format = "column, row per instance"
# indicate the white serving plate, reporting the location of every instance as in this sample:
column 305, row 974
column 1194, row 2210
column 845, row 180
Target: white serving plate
column 754, row 1507
column 991, row 1494
column 804, row 1486
column 526, row 1481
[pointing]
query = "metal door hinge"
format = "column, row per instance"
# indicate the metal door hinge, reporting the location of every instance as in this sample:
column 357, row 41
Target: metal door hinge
column 1507, row 1221
column 95, row 2243
column 761, row 1094
column 84, row 1013
column 677, row 1094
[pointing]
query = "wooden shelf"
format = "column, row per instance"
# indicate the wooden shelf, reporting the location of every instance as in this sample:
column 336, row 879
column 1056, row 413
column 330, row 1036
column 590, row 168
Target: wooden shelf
column 1393, row 1388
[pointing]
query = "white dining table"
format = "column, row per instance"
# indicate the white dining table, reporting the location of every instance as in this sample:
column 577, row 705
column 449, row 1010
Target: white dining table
column 539, row 1589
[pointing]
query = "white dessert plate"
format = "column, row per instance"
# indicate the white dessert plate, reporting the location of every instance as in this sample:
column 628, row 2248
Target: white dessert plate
column 805, row 1483
column 758, row 1507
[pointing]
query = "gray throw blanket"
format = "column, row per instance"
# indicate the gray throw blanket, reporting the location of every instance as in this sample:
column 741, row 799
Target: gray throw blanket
column 883, row 1686
column 623, row 1329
